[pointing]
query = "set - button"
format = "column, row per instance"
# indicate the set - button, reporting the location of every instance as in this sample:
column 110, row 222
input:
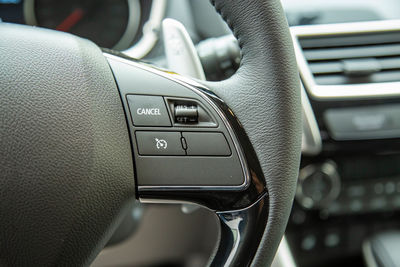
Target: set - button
column 206, row 144
column 155, row 143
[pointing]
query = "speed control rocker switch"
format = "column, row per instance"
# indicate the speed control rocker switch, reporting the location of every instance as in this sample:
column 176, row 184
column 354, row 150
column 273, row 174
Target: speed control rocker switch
column 151, row 143
column 206, row 144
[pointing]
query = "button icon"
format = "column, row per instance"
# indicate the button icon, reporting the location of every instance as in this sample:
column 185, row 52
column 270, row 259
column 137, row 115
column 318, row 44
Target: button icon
column 161, row 143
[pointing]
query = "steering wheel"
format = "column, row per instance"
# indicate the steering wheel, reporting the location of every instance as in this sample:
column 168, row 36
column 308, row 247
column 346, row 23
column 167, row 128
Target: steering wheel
column 84, row 131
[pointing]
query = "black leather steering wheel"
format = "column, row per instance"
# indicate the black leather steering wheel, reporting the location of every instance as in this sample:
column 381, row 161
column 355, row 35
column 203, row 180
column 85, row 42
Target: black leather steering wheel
column 74, row 153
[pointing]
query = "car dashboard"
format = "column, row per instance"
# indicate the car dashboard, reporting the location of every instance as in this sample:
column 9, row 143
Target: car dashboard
column 349, row 182
column 348, row 55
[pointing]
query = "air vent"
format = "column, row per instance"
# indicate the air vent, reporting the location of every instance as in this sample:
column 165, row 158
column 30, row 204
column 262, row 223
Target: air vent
column 353, row 58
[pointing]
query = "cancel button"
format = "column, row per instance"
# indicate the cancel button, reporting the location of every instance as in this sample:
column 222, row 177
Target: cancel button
column 148, row 110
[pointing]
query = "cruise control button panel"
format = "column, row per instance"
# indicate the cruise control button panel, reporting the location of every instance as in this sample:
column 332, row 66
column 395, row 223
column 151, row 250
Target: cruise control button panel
column 181, row 136
column 159, row 143
column 148, row 110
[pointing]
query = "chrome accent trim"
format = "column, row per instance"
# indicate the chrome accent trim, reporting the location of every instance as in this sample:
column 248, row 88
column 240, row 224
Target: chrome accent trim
column 151, row 30
column 236, row 228
column 284, row 256
column 233, row 223
column 351, row 91
column 28, row 10
column 166, row 201
column 368, row 254
column 194, row 86
column 311, row 143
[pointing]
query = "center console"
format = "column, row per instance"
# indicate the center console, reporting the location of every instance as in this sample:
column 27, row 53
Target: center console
column 349, row 183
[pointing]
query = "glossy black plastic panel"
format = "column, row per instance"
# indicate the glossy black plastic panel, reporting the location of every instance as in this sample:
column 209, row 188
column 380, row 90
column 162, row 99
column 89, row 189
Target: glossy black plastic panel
column 241, row 231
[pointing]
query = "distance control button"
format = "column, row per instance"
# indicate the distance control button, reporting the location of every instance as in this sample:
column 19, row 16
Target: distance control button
column 206, row 144
column 159, row 143
column 148, row 110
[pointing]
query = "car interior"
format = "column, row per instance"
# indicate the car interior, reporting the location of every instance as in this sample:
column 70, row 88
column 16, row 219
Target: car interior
column 189, row 133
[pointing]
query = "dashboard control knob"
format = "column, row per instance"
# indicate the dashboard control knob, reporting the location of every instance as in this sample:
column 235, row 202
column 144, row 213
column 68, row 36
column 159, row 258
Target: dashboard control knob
column 319, row 185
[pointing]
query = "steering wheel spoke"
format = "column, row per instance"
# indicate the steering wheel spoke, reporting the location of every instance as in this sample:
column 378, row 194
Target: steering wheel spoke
column 188, row 145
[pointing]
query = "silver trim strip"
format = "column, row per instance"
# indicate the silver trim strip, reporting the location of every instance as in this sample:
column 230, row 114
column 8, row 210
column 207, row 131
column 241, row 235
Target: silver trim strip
column 368, row 255
column 353, row 91
column 190, row 84
column 284, row 256
column 311, row 143
column 151, row 31
column 29, row 12
column 234, row 231
column 233, row 223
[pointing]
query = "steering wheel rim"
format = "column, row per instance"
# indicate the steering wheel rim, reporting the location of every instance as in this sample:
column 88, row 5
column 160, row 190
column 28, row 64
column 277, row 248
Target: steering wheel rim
column 62, row 208
column 266, row 47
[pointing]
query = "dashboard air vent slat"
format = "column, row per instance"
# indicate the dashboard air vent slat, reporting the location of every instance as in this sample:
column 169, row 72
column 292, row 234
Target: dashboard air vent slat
column 352, row 52
column 349, row 40
column 330, row 67
column 361, row 58
column 386, row 76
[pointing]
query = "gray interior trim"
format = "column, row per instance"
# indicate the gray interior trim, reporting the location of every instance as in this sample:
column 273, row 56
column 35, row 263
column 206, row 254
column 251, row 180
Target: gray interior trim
column 353, row 91
column 164, row 235
column 132, row 26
